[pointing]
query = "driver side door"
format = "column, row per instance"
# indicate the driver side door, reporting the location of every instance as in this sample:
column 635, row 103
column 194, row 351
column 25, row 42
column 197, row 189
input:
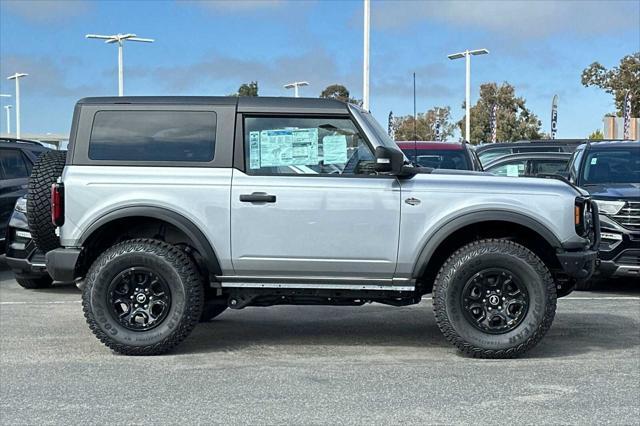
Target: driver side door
column 307, row 203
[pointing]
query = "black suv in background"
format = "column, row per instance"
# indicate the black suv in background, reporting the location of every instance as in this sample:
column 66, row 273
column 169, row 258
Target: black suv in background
column 23, row 257
column 610, row 172
column 17, row 157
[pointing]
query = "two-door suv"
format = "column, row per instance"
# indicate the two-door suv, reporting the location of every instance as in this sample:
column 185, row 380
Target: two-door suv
column 169, row 207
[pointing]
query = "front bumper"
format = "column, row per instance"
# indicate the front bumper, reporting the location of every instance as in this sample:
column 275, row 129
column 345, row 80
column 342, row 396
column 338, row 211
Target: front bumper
column 61, row 263
column 581, row 264
column 22, row 256
column 619, row 251
column 578, row 264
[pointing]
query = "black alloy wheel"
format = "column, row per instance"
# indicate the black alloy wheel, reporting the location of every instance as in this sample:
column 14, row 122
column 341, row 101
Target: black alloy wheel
column 139, row 299
column 495, row 301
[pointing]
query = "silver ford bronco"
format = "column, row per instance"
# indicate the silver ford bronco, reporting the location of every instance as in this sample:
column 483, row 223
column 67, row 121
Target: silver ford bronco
column 169, row 210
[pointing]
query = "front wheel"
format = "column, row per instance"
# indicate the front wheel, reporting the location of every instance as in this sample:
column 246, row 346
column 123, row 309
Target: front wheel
column 142, row 297
column 494, row 299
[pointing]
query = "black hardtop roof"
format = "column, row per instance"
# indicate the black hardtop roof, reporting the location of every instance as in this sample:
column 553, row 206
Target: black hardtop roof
column 244, row 103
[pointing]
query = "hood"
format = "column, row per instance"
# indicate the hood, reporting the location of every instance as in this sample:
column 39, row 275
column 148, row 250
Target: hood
column 615, row 190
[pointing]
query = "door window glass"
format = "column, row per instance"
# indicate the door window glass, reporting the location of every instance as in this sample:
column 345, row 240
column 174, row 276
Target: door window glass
column 549, row 166
column 13, row 164
column 305, row 145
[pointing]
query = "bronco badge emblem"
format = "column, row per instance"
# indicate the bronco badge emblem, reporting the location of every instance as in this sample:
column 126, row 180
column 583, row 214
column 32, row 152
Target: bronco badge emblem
column 412, row 201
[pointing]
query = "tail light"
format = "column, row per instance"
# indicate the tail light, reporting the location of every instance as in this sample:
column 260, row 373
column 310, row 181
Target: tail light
column 57, row 204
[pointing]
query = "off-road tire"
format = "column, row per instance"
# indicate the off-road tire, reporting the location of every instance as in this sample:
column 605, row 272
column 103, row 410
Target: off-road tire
column 33, row 283
column 473, row 258
column 169, row 262
column 211, row 310
column 45, row 172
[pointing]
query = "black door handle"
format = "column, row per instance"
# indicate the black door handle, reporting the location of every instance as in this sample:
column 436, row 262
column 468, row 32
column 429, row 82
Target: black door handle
column 258, row 197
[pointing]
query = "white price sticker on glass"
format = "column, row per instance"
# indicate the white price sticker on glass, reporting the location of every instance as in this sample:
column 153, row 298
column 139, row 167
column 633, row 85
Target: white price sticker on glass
column 334, row 149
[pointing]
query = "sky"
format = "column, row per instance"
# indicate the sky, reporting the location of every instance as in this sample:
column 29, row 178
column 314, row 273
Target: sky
column 211, row 47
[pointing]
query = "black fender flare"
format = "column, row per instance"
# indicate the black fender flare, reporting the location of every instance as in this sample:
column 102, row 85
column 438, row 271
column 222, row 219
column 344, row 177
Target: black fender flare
column 200, row 241
column 467, row 219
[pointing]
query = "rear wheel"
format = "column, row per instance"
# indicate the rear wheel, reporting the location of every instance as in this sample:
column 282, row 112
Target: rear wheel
column 32, row 283
column 494, row 299
column 45, row 172
column 142, row 297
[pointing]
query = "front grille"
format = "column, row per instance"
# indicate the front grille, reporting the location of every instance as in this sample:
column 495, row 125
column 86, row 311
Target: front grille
column 629, row 257
column 629, row 216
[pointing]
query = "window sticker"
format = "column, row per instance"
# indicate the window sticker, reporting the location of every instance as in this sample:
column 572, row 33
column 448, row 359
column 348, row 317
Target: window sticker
column 334, row 149
column 287, row 147
column 594, row 161
column 512, row 170
column 254, row 150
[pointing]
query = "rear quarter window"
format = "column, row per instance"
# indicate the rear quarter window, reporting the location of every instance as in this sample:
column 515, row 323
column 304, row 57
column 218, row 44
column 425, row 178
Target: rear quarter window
column 180, row 136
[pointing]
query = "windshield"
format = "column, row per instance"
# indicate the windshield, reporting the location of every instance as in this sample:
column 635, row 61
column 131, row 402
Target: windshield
column 619, row 165
column 438, row 159
column 490, row 154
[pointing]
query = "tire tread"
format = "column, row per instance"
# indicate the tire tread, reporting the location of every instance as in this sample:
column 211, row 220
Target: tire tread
column 464, row 255
column 184, row 266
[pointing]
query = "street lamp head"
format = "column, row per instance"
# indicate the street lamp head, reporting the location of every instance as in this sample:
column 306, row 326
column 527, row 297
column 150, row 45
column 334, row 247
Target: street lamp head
column 17, row 75
column 468, row 52
column 2, row 95
column 296, row 84
column 119, row 38
column 479, row 52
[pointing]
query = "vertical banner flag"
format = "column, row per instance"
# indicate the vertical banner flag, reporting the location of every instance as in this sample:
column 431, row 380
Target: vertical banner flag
column 627, row 115
column 494, row 123
column 390, row 126
column 438, row 127
column 554, row 116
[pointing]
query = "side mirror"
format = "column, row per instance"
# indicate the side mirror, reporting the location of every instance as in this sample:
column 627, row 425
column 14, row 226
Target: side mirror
column 389, row 160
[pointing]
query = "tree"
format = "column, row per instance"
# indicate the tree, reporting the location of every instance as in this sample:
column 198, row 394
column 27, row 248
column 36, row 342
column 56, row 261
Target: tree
column 617, row 81
column 340, row 92
column 425, row 125
column 597, row 135
column 248, row 89
column 514, row 120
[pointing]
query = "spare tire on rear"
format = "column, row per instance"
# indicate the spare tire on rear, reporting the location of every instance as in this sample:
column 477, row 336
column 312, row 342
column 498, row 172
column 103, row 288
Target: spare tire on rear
column 45, row 172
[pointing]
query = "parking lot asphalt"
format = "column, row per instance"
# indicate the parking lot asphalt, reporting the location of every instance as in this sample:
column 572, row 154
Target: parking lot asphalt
column 318, row 365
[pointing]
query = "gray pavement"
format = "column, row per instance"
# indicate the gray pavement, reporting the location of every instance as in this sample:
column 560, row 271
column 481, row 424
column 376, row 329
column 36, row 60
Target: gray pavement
column 318, row 365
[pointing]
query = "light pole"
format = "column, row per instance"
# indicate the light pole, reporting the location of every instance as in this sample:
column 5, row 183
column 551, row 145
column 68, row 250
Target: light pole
column 2, row 95
column 365, row 65
column 467, row 55
column 17, row 76
column 120, row 39
column 295, row 86
column 8, row 109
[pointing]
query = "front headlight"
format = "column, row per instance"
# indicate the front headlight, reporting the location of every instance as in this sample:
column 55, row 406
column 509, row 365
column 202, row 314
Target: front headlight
column 609, row 207
column 21, row 205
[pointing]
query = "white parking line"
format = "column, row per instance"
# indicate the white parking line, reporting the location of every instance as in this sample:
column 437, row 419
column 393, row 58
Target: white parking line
column 602, row 298
column 62, row 302
column 586, row 298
